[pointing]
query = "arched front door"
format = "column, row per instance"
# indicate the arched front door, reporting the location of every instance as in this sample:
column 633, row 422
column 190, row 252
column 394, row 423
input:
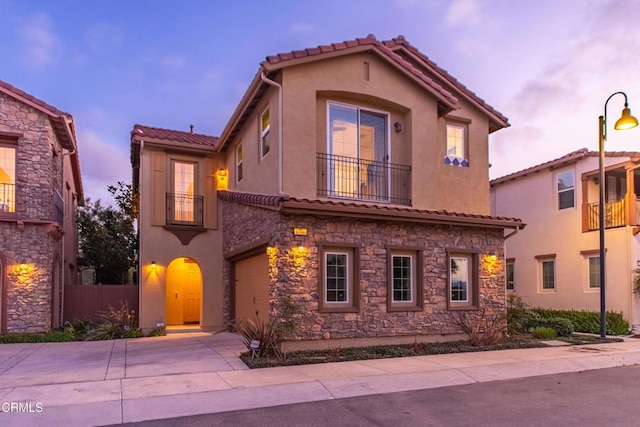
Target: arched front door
column 184, row 292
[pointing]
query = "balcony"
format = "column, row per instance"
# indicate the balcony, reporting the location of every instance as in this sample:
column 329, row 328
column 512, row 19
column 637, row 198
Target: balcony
column 367, row 180
column 620, row 213
column 184, row 210
column 31, row 203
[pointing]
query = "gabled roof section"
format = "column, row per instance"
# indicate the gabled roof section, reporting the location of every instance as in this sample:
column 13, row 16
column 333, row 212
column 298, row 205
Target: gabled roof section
column 567, row 159
column 401, row 46
column 148, row 133
column 397, row 52
column 294, row 205
column 62, row 124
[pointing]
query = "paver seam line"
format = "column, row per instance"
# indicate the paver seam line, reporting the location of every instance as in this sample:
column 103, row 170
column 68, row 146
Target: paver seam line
column 121, row 403
column 27, row 355
column 106, row 372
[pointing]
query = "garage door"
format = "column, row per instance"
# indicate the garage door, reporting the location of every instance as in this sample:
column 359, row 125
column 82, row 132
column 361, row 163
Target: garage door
column 252, row 287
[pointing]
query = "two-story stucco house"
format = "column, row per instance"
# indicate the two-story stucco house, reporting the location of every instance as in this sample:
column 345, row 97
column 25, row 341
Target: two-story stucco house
column 352, row 178
column 555, row 261
column 40, row 189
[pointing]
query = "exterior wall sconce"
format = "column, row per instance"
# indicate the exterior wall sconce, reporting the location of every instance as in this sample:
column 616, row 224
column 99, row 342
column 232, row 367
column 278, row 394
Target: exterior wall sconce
column 153, row 265
column 398, row 127
column 222, row 180
column 300, row 231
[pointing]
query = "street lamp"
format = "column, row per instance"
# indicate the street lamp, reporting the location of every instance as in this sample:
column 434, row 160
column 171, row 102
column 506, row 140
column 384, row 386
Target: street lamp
column 626, row 121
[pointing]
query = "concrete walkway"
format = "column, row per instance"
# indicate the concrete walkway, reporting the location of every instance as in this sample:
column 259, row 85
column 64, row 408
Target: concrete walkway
column 111, row 382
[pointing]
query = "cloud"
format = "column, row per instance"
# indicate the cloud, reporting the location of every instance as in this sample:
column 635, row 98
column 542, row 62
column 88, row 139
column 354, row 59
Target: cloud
column 102, row 164
column 465, row 13
column 301, row 28
column 172, row 62
column 39, row 42
column 101, row 36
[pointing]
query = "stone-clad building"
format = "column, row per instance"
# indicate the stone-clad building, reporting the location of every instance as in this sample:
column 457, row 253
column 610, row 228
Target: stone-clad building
column 352, row 179
column 40, row 188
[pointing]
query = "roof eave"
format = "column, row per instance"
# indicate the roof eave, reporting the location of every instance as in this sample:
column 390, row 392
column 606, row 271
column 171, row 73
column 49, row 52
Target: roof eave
column 297, row 207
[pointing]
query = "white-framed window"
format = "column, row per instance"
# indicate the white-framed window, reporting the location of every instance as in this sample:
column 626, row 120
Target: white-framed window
column 358, row 152
column 593, row 263
column 565, row 185
column 339, row 277
column 457, row 150
column 183, row 192
column 548, row 274
column 265, row 127
column 336, row 278
column 509, row 274
column 7, row 179
column 402, row 278
column 239, row 160
column 462, row 279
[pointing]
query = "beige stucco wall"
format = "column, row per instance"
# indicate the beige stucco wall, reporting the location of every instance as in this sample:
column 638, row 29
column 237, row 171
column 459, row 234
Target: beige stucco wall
column 308, row 88
column 162, row 246
column 549, row 231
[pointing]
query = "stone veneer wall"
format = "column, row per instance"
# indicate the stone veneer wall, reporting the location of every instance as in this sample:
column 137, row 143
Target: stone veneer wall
column 294, row 273
column 29, row 293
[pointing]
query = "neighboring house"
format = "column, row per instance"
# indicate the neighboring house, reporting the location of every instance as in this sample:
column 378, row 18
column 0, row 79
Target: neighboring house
column 40, row 188
column 555, row 261
column 352, row 178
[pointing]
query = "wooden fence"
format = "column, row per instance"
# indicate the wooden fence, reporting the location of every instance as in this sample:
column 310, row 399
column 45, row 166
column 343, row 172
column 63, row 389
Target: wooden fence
column 87, row 301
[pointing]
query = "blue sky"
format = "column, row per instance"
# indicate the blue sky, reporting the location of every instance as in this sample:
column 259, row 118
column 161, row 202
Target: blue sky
column 548, row 65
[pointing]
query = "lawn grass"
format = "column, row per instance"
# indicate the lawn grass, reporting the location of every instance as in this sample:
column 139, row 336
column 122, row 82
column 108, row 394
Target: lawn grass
column 338, row 354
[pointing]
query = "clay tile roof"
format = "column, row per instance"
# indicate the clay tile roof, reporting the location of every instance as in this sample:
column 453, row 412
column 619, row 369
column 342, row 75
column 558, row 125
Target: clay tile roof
column 12, row 90
column 141, row 132
column 400, row 41
column 566, row 159
column 569, row 158
column 335, row 207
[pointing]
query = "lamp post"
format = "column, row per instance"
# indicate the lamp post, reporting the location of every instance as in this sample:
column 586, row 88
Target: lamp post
column 626, row 121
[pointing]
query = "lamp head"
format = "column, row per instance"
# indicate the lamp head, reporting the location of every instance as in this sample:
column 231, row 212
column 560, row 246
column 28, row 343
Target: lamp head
column 626, row 120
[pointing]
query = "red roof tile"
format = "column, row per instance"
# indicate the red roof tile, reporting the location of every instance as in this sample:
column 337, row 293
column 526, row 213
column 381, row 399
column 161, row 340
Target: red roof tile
column 572, row 157
column 402, row 213
column 141, row 132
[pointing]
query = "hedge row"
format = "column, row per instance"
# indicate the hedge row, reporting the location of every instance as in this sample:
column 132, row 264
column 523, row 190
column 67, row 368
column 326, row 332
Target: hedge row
column 588, row 321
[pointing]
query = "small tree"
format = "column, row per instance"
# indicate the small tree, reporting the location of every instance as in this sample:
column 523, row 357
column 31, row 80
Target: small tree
column 107, row 238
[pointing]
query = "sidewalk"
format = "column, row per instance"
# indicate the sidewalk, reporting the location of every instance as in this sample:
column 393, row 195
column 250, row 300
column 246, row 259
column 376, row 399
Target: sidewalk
column 111, row 382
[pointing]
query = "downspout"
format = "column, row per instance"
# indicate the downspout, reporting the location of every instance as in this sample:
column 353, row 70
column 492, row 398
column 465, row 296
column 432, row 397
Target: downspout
column 280, row 155
column 64, row 218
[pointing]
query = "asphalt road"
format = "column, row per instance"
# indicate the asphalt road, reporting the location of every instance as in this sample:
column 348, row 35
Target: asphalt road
column 604, row 397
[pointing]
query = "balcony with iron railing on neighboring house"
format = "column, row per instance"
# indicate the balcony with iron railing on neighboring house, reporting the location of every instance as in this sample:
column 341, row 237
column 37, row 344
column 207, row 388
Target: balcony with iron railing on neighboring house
column 184, row 210
column 620, row 213
column 31, row 203
column 361, row 179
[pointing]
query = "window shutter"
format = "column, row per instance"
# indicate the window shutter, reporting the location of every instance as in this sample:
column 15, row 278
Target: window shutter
column 158, row 189
column 210, row 195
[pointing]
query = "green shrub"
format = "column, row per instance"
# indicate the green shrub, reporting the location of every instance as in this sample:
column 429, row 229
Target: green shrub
column 520, row 317
column 158, row 332
column 589, row 321
column 543, row 333
column 19, row 338
column 563, row 327
column 58, row 335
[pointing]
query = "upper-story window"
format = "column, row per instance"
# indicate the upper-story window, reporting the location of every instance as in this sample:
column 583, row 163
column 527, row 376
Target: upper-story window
column 7, row 179
column 239, row 161
column 185, row 202
column 358, row 153
column 457, row 150
column 265, row 127
column 565, row 184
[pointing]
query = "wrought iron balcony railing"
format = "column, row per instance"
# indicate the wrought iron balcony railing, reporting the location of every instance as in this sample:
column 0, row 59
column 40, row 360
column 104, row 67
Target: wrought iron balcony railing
column 184, row 209
column 348, row 177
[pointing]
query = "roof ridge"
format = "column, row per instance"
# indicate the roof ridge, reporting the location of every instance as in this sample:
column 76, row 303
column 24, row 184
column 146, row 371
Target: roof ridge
column 138, row 125
column 21, row 93
column 574, row 155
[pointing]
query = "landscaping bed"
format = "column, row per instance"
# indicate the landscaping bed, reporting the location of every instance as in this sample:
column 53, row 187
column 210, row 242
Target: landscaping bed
column 406, row 350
